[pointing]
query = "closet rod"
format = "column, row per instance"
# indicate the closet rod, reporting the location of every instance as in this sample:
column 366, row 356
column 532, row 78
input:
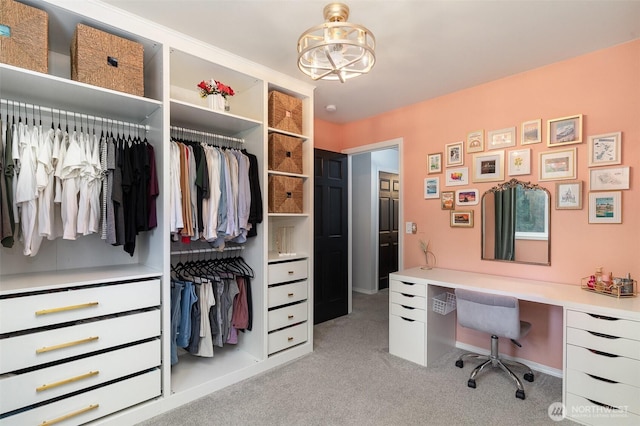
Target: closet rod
column 206, row 250
column 207, row 134
column 56, row 111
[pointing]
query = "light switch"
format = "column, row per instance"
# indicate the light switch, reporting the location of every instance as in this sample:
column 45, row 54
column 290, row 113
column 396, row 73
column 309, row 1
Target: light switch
column 409, row 227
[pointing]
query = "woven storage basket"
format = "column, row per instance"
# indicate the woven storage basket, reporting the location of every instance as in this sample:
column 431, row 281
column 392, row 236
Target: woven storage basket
column 285, row 112
column 285, row 153
column 285, row 194
column 106, row 60
column 24, row 32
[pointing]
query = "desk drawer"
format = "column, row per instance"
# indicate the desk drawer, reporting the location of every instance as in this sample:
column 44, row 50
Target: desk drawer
column 408, row 312
column 605, row 343
column 406, row 339
column 288, row 271
column 288, row 315
column 288, row 293
column 88, row 406
column 408, row 300
column 283, row 339
column 34, row 349
column 617, row 368
column 23, row 313
column 42, row 385
column 604, row 392
column 587, row 412
column 408, row 288
column 607, row 325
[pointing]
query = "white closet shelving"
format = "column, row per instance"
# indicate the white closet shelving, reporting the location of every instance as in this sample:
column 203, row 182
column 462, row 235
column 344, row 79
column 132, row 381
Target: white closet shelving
column 174, row 64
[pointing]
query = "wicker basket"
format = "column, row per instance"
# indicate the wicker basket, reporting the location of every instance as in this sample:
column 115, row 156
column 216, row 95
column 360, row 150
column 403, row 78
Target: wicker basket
column 106, row 60
column 285, row 112
column 285, row 153
column 285, row 194
column 24, row 32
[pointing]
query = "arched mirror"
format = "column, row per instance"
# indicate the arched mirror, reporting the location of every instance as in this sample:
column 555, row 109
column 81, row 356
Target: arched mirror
column 516, row 222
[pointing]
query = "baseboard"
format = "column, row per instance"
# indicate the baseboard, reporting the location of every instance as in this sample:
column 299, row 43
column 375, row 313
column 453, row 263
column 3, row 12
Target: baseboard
column 533, row 365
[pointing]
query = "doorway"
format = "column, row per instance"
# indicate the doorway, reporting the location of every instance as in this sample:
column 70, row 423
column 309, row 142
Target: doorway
column 388, row 208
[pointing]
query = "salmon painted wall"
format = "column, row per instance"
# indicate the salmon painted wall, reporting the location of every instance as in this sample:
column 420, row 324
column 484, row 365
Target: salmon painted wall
column 604, row 86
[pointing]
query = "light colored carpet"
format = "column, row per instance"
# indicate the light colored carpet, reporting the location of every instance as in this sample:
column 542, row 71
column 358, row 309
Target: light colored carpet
column 351, row 379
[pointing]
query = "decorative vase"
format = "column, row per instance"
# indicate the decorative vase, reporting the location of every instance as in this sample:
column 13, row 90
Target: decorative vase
column 216, row 102
column 431, row 260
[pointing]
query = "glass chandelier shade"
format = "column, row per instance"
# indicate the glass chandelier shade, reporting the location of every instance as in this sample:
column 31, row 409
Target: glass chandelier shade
column 336, row 49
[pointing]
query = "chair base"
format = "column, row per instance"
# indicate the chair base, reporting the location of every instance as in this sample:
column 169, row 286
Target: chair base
column 495, row 361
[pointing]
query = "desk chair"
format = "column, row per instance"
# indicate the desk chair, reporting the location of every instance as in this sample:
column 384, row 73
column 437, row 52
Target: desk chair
column 498, row 316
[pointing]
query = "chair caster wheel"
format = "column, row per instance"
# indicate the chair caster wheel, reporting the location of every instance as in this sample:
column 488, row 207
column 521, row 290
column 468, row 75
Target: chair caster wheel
column 471, row 383
column 520, row 394
column 459, row 363
column 528, row 377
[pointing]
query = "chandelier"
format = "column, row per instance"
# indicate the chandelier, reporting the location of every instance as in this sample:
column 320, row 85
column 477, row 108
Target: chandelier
column 336, row 49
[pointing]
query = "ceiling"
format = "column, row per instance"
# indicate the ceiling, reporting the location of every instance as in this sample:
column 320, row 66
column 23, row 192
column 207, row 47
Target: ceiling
column 425, row 49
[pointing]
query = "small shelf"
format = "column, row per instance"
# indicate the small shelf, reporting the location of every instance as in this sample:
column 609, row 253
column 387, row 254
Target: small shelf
column 274, row 257
column 276, row 172
column 284, row 132
column 196, row 117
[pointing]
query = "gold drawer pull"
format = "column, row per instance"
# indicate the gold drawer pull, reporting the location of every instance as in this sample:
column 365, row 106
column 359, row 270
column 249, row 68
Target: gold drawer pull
column 70, row 415
column 289, row 339
column 290, row 316
column 290, row 294
column 290, row 272
column 66, row 308
column 69, row 380
column 66, row 345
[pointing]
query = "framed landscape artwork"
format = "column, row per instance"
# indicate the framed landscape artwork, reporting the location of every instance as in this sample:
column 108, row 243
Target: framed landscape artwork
column 564, row 131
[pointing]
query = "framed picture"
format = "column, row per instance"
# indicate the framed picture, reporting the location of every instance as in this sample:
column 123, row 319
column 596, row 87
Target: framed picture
column 457, row 177
column 605, row 207
column 519, row 162
column 564, row 131
column 605, row 150
column 488, row 167
column 434, row 163
column 609, row 179
column 531, row 132
column 558, row 165
column 447, row 200
column 569, row 195
column 462, row 218
column 475, row 141
column 455, row 154
column 467, row 197
column 502, row 138
column 432, row 188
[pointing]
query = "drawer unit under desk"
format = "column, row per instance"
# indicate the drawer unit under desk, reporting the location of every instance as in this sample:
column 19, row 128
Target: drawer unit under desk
column 408, row 300
column 612, row 394
column 408, row 288
column 589, row 412
column 282, row 272
column 617, row 327
column 91, row 405
column 604, row 365
column 29, row 350
column 37, row 386
column 48, row 308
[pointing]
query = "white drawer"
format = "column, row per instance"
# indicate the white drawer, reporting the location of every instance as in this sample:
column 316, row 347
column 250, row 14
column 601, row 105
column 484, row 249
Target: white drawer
column 607, row 325
column 23, row 313
column 408, row 312
column 606, row 343
column 42, row 385
column 406, row 339
column 91, row 405
column 33, row 349
column 408, row 300
column 612, row 394
column 288, row 315
column 288, row 293
column 408, row 288
column 618, row 368
column 287, row 271
column 586, row 412
column 285, row 338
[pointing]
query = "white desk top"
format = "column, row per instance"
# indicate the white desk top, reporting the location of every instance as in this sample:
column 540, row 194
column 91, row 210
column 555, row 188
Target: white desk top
column 565, row 295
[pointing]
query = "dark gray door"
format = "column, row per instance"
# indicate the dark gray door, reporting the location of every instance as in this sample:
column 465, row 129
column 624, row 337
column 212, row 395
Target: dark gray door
column 388, row 208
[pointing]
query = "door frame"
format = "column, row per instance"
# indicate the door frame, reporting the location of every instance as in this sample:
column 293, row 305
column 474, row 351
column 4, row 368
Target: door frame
column 392, row 143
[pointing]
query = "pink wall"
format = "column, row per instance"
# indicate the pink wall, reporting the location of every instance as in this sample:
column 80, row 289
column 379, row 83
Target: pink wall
column 604, row 86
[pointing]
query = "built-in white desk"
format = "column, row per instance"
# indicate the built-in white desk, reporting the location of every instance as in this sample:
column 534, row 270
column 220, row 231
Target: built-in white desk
column 601, row 348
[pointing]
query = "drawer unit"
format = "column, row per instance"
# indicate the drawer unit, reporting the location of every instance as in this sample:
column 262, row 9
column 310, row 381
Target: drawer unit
column 406, row 339
column 27, row 312
column 408, row 300
column 34, row 349
column 407, row 312
column 287, row 293
column 408, row 288
column 287, row 315
column 288, row 271
column 91, row 405
column 602, row 374
column 287, row 337
column 38, row 386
